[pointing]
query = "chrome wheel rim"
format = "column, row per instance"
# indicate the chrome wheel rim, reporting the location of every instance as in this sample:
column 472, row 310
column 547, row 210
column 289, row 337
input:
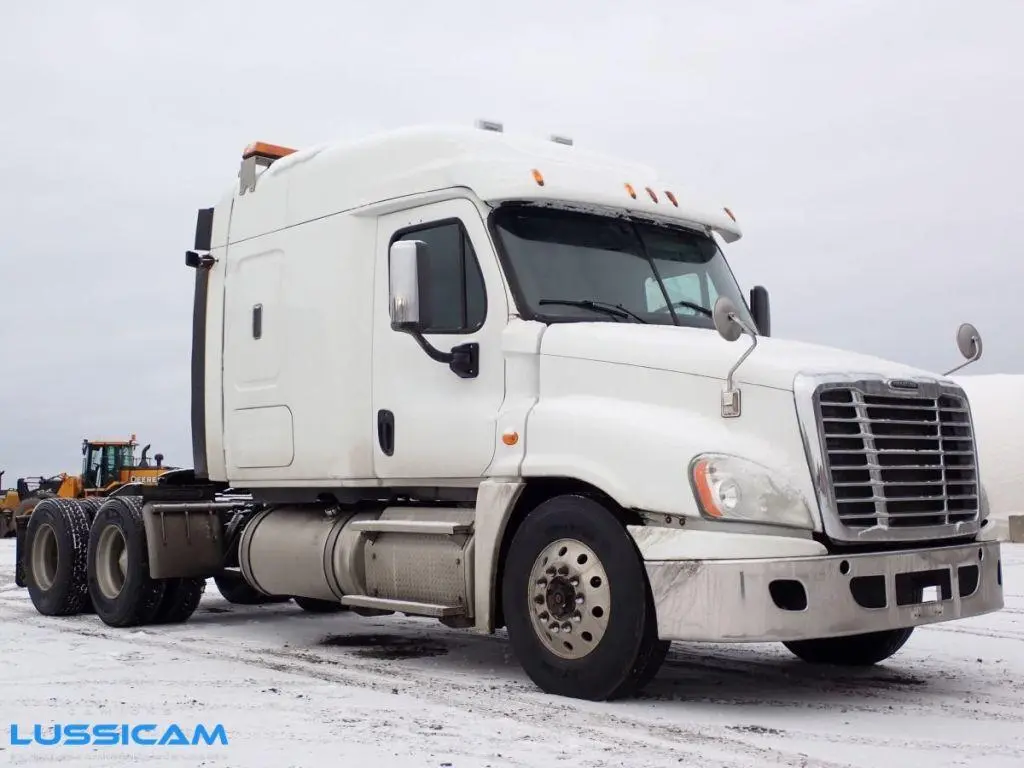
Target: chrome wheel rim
column 111, row 561
column 569, row 598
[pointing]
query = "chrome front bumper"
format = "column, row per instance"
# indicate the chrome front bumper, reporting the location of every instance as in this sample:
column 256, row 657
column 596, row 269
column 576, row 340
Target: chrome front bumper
column 798, row 598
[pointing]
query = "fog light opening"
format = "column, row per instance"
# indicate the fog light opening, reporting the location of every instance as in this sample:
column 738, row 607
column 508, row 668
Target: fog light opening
column 869, row 591
column 969, row 577
column 788, row 595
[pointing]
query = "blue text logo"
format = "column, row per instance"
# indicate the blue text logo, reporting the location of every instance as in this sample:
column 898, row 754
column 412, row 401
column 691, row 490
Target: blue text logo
column 115, row 734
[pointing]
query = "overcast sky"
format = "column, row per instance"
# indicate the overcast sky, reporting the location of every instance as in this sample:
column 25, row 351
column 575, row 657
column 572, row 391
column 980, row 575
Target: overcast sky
column 872, row 150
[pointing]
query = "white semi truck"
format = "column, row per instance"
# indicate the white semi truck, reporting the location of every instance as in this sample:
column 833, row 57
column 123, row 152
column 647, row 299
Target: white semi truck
column 496, row 381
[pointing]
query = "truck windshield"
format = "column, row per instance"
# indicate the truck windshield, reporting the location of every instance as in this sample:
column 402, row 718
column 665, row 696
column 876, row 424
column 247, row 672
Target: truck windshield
column 563, row 263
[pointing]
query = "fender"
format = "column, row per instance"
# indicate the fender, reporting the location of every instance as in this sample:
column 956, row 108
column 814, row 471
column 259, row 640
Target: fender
column 633, row 431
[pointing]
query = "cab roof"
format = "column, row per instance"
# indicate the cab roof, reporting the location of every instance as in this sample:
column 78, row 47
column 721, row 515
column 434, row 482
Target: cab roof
column 377, row 172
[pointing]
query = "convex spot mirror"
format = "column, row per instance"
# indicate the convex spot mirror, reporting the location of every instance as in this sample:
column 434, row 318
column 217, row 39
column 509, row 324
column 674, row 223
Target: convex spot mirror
column 724, row 315
column 968, row 341
column 409, row 304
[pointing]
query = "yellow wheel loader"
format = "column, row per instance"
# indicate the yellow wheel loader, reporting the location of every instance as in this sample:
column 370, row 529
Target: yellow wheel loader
column 20, row 501
column 109, row 467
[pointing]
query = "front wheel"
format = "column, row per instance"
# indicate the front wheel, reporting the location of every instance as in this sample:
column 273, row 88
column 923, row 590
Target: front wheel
column 577, row 606
column 852, row 650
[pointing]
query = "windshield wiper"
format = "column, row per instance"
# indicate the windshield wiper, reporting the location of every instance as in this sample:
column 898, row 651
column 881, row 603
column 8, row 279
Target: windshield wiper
column 691, row 305
column 615, row 310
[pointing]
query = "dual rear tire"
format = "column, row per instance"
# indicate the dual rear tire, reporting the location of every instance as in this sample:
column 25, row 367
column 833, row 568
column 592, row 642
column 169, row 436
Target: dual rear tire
column 84, row 555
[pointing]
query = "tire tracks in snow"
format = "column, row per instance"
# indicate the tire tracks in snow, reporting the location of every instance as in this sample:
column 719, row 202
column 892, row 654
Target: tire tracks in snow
column 659, row 743
column 656, row 738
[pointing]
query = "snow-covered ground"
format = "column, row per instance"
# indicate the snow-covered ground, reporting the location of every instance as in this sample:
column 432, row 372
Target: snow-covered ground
column 294, row 689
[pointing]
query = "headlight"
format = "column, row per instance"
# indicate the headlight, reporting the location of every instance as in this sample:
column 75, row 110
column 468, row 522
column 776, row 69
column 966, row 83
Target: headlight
column 731, row 488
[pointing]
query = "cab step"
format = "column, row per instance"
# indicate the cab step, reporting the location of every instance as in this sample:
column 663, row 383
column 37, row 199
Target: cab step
column 403, row 606
column 437, row 527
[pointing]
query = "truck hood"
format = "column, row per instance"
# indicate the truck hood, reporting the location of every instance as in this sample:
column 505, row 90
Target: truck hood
column 702, row 352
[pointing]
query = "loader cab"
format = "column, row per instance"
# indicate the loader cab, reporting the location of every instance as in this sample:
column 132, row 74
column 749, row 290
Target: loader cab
column 102, row 462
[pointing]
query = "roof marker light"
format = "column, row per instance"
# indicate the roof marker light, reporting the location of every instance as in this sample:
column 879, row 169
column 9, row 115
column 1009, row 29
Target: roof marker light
column 650, row 192
column 490, row 125
column 729, row 214
column 538, row 177
column 265, row 150
column 561, row 140
column 671, row 198
column 630, row 190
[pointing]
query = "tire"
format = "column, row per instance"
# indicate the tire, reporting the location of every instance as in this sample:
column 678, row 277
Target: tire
column 91, row 506
column 235, row 589
column 88, row 507
column 181, row 598
column 853, row 650
column 55, row 557
column 7, row 526
column 25, row 507
column 122, row 592
column 611, row 648
column 312, row 605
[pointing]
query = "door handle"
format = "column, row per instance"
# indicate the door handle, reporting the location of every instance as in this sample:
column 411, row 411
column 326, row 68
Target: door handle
column 386, row 431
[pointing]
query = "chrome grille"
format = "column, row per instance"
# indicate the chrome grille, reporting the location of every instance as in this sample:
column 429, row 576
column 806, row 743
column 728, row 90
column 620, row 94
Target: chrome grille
column 898, row 459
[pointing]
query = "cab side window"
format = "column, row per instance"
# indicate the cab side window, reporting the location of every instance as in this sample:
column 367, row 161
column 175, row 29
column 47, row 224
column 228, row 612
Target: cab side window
column 458, row 299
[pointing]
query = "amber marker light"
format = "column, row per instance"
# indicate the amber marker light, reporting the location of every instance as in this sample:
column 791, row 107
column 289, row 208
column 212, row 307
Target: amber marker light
column 707, row 497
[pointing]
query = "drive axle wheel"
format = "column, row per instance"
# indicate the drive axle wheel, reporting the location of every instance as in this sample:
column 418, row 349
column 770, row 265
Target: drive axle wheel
column 181, row 598
column 313, row 605
column 235, row 589
column 91, row 505
column 55, row 557
column 122, row 592
column 577, row 606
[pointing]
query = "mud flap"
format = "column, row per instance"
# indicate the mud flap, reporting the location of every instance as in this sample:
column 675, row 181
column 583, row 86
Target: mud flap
column 20, row 527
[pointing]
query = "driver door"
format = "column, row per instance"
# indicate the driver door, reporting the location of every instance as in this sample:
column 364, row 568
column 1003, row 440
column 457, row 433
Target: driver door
column 429, row 422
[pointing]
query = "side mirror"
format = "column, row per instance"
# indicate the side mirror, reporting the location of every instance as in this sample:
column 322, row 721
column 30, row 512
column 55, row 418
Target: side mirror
column 760, row 308
column 968, row 341
column 409, row 306
column 409, row 299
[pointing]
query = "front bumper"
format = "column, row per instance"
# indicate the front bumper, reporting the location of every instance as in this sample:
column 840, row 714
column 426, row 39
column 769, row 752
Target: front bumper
column 800, row 598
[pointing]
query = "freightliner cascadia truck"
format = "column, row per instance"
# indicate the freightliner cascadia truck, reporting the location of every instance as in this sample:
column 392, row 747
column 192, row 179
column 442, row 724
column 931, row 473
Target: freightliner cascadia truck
column 511, row 384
